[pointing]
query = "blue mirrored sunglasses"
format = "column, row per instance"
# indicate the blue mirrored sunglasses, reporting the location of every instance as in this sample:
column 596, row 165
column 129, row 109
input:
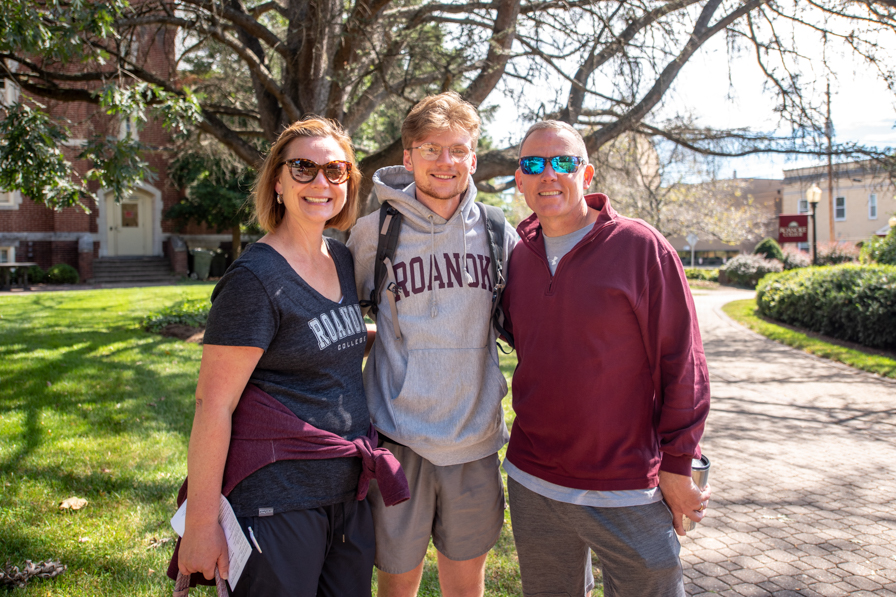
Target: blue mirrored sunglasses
column 562, row 164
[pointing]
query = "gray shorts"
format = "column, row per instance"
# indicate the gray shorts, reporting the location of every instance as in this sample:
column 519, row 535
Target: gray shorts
column 637, row 547
column 460, row 506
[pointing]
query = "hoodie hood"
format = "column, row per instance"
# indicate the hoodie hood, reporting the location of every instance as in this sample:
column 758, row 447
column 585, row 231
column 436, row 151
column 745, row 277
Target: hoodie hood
column 396, row 185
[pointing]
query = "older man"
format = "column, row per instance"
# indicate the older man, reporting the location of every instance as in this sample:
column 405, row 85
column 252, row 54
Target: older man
column 611, row 391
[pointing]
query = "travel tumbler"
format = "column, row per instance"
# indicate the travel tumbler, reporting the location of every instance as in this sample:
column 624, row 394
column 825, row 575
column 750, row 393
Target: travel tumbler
column 700, row 475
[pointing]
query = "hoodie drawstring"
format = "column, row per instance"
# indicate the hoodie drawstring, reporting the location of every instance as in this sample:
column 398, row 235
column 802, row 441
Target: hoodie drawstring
column 433, row 305
column 463, row 226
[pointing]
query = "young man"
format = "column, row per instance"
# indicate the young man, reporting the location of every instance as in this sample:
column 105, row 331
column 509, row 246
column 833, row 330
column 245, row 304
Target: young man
column 433, row 384
column 611, row 391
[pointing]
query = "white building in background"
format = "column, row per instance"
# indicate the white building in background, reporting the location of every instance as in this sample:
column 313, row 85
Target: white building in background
column 863, row 200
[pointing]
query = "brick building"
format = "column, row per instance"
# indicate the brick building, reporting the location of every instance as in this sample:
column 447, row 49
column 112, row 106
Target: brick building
column 134, row 228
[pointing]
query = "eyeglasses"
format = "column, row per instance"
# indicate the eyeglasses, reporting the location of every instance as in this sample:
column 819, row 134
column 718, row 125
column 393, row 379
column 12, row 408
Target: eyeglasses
column 562, row 164
column 303, row 170
column 432, row 151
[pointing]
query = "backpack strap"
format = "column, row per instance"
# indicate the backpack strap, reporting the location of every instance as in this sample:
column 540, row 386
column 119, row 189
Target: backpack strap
column 494, row 227
column 383, row 274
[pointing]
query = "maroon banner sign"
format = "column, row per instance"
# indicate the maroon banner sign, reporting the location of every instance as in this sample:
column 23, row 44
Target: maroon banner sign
column 793, row 229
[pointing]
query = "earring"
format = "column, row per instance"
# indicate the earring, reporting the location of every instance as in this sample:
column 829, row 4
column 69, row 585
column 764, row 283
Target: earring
column 280, row 198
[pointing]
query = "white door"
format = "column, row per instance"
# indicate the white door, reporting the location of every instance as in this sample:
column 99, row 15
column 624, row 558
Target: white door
column 130, row 225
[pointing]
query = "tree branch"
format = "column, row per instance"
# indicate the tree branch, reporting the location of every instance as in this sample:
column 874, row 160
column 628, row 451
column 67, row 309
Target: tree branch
column 247, row 23
column 231, row 139
column 499, row 48
column 266, row 7
column 702, row 32
column 500, row 188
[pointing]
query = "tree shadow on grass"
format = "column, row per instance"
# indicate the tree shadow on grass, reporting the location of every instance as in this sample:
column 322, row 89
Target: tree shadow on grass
column 87, row 382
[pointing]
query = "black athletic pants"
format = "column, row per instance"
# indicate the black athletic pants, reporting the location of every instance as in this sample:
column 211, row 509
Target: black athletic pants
column 326, row 552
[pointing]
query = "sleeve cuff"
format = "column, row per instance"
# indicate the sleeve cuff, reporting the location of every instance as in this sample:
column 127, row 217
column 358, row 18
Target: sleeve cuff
column 679, row 465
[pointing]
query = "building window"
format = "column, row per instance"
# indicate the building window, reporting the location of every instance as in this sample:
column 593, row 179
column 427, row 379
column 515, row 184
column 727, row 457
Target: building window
column 4, row 91
column 10, row 200
column 9, row 94
column 9, row 91
column 7, row 254
column 128, row 128
column 803, row 207
column 840, row 209
column 872, row 206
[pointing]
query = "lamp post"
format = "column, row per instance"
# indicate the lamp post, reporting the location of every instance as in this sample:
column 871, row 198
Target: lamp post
column 813, row 196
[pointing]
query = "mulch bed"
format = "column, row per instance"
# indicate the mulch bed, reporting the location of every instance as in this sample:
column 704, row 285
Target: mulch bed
column 183, row 332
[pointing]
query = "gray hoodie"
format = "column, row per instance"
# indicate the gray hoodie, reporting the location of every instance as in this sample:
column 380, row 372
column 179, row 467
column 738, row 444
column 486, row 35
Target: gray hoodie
column 438, row 390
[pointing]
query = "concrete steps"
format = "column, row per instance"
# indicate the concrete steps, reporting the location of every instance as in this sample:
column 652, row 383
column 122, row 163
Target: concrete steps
column 132, row 270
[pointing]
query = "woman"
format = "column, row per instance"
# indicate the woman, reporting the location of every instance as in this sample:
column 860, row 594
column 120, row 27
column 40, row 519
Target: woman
column 285, row 320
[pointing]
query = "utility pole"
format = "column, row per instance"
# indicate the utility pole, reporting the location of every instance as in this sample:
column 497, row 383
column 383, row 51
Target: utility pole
column 829, row 133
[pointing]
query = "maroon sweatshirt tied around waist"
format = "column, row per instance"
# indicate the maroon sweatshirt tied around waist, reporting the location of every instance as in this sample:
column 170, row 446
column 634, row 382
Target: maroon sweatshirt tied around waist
column 264, row 431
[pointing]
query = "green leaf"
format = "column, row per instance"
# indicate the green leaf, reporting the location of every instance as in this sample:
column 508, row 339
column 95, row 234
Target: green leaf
column 31, row 161
column 117, row 164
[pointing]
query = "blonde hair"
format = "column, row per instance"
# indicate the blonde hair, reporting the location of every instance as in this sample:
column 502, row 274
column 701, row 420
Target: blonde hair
column 439, row 112
column 557, row 125
column 269, row 213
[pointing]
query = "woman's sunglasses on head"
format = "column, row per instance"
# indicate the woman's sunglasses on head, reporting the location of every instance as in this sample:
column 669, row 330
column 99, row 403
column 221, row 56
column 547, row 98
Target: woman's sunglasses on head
column 562, row 164
column 303, row 170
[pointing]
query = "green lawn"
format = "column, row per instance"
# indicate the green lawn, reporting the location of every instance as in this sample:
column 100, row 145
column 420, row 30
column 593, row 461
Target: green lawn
column 866, row 359
column 91, row 406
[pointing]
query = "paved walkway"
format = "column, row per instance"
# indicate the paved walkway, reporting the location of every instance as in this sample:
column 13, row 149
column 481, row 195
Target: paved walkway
column 803, row 455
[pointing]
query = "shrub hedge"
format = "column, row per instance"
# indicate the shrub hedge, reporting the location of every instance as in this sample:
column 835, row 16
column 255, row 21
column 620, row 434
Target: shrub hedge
column 770, row 249
column 62, row 273
column 694, row 273
column 35, row 275
column 851, row 302
column 880, row 250
column 747, row 270
column 794, row 259
column 192, row 312
column 834, row 253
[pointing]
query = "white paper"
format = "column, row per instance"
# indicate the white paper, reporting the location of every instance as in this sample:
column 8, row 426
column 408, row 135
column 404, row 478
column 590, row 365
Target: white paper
column 238, row 548
column 179, row 519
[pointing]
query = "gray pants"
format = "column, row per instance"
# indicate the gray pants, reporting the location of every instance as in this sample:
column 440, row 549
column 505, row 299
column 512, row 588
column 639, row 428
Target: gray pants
column 637, row 547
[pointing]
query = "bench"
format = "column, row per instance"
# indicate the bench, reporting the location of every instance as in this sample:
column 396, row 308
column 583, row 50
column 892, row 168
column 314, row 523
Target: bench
column 6, row 268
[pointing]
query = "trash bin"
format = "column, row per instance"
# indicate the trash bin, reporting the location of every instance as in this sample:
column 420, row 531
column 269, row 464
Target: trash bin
column 202, row 261
column 219, row 264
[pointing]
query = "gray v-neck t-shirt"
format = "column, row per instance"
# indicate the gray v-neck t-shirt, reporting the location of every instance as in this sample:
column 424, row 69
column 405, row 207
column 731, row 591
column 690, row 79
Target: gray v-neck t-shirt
column 558, row 246
column 313, row 348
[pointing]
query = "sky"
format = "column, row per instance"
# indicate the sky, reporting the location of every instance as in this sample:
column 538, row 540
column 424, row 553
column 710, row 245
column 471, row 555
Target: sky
column 862, row 109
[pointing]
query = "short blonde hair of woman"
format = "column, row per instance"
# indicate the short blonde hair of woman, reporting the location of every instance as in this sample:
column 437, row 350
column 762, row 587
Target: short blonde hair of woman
column 440, row 112
column 268, row 212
